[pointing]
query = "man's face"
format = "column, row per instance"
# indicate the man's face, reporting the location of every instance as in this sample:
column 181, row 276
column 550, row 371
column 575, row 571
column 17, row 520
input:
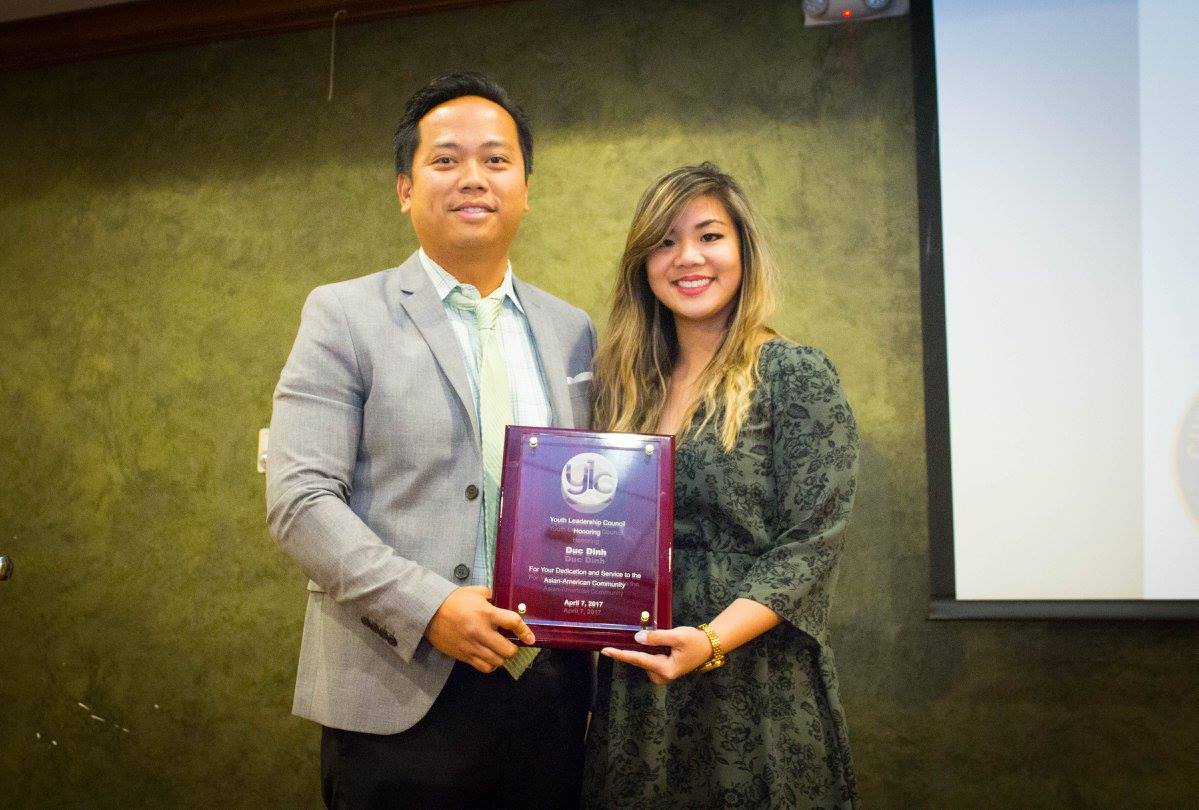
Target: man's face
column 467, row 192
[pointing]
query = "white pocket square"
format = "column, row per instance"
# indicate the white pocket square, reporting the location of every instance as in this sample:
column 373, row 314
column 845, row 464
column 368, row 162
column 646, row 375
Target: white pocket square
column 582, row 376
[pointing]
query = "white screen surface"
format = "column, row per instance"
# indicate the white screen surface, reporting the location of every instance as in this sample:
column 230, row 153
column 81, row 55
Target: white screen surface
column 1069, row 212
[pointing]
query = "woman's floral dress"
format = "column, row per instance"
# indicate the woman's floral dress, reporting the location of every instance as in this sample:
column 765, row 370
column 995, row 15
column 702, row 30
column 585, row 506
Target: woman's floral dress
column 767, row 522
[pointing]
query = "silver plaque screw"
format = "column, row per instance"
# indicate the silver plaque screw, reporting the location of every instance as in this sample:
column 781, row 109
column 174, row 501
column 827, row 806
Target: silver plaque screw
column 532, row 441
column 522, row 608
column 649, row 449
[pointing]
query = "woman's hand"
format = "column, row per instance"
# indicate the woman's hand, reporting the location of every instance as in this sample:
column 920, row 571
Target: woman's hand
column 740, row 622
column 689, row 648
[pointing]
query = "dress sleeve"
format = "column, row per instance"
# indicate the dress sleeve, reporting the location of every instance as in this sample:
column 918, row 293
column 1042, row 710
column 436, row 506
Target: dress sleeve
column 814, row 456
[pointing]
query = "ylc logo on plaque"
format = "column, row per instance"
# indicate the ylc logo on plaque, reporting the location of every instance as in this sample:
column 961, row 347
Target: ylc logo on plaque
column 588, row 483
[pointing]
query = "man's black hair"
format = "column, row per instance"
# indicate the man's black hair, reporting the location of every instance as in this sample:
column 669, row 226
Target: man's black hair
column 447, row 88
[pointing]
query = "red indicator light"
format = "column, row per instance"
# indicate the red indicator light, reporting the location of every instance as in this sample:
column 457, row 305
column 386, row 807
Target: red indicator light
column 847, row 14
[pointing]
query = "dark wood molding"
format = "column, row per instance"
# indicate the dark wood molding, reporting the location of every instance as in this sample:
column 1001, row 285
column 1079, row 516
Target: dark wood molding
column 154, row 24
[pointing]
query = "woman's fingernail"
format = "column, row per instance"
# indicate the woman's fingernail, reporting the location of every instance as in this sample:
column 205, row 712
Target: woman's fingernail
column 640, row 636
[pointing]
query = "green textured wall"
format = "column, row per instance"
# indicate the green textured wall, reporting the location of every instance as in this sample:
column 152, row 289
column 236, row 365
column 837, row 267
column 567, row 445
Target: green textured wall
column 162, row 217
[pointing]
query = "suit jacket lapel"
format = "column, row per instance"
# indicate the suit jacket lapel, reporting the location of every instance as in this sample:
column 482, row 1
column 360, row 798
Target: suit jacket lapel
column 420, row 301
column 550, row 354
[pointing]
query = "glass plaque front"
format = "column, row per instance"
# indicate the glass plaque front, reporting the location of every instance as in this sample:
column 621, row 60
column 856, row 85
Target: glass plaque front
column 583, row 551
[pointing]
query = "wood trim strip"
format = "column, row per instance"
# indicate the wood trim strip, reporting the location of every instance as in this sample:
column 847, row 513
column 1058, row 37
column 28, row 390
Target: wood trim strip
column 156, row 24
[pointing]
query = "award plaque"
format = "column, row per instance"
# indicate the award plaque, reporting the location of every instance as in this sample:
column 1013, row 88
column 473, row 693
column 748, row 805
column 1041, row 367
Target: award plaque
column 583, row 550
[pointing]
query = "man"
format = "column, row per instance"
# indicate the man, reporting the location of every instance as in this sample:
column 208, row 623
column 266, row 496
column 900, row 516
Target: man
column 383, row 479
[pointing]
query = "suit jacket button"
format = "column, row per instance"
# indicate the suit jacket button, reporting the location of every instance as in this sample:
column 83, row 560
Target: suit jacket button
column 461, row 571
column 472, row 492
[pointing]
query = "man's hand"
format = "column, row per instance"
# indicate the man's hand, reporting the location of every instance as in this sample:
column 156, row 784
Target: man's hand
column 467, row 627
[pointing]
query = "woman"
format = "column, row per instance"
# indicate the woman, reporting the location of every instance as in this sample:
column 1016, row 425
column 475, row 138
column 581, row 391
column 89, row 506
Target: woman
column 764, row 480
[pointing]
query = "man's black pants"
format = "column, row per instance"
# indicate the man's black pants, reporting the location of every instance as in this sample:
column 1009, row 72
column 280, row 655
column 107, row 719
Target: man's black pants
column 488, row 741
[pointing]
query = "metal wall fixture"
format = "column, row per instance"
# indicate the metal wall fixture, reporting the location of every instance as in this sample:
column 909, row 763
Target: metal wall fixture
column 831, row 12
column 263, row 438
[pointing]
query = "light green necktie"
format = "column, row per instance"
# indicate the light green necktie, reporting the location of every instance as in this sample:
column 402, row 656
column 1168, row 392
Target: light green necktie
column 495, row 413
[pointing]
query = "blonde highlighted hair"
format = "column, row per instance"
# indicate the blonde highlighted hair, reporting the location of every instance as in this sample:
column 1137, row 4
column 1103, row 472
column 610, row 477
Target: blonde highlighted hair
column 640, row 348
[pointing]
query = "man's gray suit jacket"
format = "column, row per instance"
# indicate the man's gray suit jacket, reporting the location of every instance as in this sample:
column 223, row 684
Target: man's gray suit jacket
column 374, row 480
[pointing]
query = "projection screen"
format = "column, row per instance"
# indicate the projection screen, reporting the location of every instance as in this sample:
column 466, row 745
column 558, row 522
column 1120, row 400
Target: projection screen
column 1059, row 190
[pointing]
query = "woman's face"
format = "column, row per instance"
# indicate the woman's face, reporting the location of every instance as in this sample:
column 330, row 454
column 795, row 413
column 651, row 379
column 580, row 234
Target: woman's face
column 696, row 269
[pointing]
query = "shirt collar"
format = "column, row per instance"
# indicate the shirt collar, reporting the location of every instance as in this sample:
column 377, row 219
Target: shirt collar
column 444, row 283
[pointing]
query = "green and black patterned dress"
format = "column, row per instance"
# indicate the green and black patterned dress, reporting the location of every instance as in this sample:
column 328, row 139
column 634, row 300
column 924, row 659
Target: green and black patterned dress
column 766, row 521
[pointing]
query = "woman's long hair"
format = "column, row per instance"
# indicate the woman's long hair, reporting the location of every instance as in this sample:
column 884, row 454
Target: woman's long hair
column 640, row 349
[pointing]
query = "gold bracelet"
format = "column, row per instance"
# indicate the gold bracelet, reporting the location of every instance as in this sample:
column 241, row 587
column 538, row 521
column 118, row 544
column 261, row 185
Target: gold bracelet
column 717, row 659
